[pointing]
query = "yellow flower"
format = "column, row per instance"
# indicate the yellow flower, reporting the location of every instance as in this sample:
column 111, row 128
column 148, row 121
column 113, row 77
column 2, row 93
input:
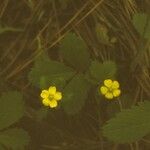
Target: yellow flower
column 110, row 89
column 51, row 97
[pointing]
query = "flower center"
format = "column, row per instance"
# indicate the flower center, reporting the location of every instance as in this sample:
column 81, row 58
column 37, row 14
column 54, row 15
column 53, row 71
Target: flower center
column 110, row 89
column 50, row 97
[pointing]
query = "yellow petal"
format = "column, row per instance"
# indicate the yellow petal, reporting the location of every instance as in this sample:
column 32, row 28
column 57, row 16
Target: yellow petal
column 45, row 102
column 115, row 85
column 53, row 103
column 52, row 90
column 103, row 90
column 108, row 83
column 58, row 96
column 109, row 95
column 116, row 93
column 44, row 94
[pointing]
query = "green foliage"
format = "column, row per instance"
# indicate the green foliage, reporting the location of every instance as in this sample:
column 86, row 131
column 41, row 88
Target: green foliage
column 74, row 51
column 141, row 23
column 101, row 71
column 11, row 108
column 75, row 94
column 129, row 125
column 47, row 72
column 14, row 139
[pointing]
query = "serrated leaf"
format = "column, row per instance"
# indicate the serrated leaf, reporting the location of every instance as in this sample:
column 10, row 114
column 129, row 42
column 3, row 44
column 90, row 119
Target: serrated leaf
column 46, row 72
column 141, row 22
column 74, row 51
column 129, row 125
column 11, row 108
column 75, row 94
column 102, row 71
column 14, row 139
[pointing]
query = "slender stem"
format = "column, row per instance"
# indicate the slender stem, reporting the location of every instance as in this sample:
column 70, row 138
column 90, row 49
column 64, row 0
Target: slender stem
column 136, row 145
column 131, row 146
column 120, row 104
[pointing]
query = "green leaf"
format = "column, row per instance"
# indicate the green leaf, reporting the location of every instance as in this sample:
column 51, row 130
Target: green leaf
column 101, row 71
column 129, row 125
column 14, row 139
column 75, row 94
column 74, row 51
column 11, row 108
column 141, row 22
column 46, row 72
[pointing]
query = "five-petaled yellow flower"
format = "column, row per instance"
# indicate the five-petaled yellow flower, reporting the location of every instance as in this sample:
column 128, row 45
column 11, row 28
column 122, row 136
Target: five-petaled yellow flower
column 110, row 89
column 50, row 97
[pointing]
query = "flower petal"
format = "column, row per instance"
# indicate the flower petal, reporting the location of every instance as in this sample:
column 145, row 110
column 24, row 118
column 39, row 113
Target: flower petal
column 53, row 103
column 115, row 85
column 44, row 94
column 58, row 96
column 103, row 90
column 116, row 93
column 108, row 83
column 109, row 95
column 45, row 102
column 52, row 90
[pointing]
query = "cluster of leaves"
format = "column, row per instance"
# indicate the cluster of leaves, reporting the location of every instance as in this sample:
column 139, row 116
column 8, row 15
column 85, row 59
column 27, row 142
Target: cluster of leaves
column 74, row 75
column 11, row 110
column 132, row 124
column 78, row 73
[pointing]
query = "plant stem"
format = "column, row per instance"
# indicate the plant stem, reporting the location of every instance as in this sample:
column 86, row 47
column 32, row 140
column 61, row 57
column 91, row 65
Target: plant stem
column 131, row 146
column 136, row 145
column 120, row 104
